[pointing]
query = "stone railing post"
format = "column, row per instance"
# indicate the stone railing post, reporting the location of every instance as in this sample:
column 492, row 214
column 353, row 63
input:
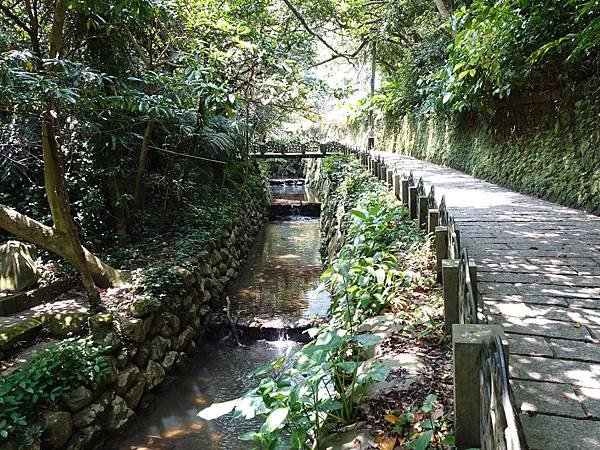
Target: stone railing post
column 422, row 208
column 432, row 220
column 397, row 186
column 383, row 172
column 390, row 177
column 376, row 165
column 412, row 201
column 441, row 249
column 466, row 349
column 404, row 190
column 450, row 288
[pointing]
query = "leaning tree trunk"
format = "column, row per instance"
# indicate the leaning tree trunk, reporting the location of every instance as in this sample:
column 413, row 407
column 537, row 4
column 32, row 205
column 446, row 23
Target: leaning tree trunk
column 60, row 243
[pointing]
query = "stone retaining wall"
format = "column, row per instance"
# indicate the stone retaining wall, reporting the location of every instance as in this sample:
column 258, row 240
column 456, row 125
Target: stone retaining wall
column 148, row 341
column 333, row 208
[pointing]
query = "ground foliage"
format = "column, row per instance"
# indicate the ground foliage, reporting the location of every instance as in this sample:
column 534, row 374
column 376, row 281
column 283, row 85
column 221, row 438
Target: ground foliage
column 322, row 388
column 45, row 382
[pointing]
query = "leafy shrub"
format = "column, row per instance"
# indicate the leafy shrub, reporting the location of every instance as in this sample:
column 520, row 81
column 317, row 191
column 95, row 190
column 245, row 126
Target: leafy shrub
column 44, row 381
column 322, row 385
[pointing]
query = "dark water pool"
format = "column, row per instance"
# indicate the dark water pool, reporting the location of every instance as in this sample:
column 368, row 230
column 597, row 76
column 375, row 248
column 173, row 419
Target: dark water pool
column 217, row 373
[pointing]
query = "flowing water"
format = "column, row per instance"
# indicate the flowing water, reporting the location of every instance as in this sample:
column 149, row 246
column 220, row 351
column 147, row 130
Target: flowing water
column 279, row 278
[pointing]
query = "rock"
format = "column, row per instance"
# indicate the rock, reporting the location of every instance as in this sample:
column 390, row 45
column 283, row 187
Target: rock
column 18, row 270
column 127, row 377
column 134, row 394
column 191, row 349
column 113, row 373
column 175, row 323
column 78, row 398
column 182, row 341
column 186, row 275
column 124, row 356
column 57, row 429
column 83, row 438
column 111, row 340
column 142, row 354
column 158, row 347
column 165, row 331
column 64, row 324
column 143, row 306
column 119, row 413
column 92, row 412
column 100, row 321
column 154, row 374
column 133, row 328
column 169, row 361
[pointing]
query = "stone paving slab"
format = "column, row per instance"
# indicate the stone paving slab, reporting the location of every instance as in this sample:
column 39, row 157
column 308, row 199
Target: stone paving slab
column 539, row 277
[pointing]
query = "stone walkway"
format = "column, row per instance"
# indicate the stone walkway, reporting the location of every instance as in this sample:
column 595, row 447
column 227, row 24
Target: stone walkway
column 539, row 276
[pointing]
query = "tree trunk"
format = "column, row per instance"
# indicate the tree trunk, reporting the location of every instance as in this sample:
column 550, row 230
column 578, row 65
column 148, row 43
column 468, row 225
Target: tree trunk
column 143, row 161
column 442, row 9
column 58, row 242
column 56, row 188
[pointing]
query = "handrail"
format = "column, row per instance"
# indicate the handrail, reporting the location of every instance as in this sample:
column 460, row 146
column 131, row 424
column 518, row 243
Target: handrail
column 467, row 299
column 500, row 427
column 453, row 239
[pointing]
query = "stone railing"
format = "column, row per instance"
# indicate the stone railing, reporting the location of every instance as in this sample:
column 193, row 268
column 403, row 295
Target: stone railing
column 485, row 413
column 280, row 149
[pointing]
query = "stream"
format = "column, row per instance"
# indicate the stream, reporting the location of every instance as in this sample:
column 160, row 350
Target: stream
column 279, row 279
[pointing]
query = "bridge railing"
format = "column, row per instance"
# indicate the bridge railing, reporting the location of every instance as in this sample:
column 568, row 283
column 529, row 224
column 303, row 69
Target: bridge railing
column 297, row 148
column 486, row 418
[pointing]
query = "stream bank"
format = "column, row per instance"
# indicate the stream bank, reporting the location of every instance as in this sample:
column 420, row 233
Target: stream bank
column 377, row 373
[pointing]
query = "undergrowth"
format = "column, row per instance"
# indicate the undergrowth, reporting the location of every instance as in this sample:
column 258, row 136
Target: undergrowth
column 321, row 387
column 45, row 381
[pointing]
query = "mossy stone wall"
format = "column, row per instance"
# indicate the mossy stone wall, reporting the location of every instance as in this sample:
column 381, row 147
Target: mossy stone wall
column 554, row 155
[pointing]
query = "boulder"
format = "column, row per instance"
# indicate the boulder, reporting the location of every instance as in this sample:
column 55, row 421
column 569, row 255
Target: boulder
column 119, row 413
column 127, row 377
column 185, row 337
column 78, row 398
column 64, row 324
column 158, row 347
column 133, row 328
column 57, row 429
column 83, row 438
column 143, row 306
column 93, row 411
column 154, row 374
column 169, row 361
column 134, row 394
column 186, row 275
column 18, row 270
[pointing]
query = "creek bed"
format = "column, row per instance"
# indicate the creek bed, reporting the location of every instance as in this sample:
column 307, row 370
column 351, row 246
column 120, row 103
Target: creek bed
column 279, row 279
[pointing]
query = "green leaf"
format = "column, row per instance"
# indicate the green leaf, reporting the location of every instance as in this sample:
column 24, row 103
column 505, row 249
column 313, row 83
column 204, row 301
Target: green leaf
column 421, row 442
column 217, row 410
column 275, row 419
column 358, row 213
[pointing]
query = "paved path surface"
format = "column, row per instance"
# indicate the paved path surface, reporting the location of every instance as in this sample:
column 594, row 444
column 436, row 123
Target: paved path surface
column 539, row 276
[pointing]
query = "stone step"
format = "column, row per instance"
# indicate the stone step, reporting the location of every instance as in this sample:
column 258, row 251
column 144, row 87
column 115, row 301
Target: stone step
column 18, row 330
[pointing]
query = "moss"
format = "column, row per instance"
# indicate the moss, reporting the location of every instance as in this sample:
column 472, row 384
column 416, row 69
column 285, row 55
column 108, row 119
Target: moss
column 20, row 331
column 557, row 159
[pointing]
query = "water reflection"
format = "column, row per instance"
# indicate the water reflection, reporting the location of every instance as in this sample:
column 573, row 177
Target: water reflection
column 220, row 375
column 282, row 272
